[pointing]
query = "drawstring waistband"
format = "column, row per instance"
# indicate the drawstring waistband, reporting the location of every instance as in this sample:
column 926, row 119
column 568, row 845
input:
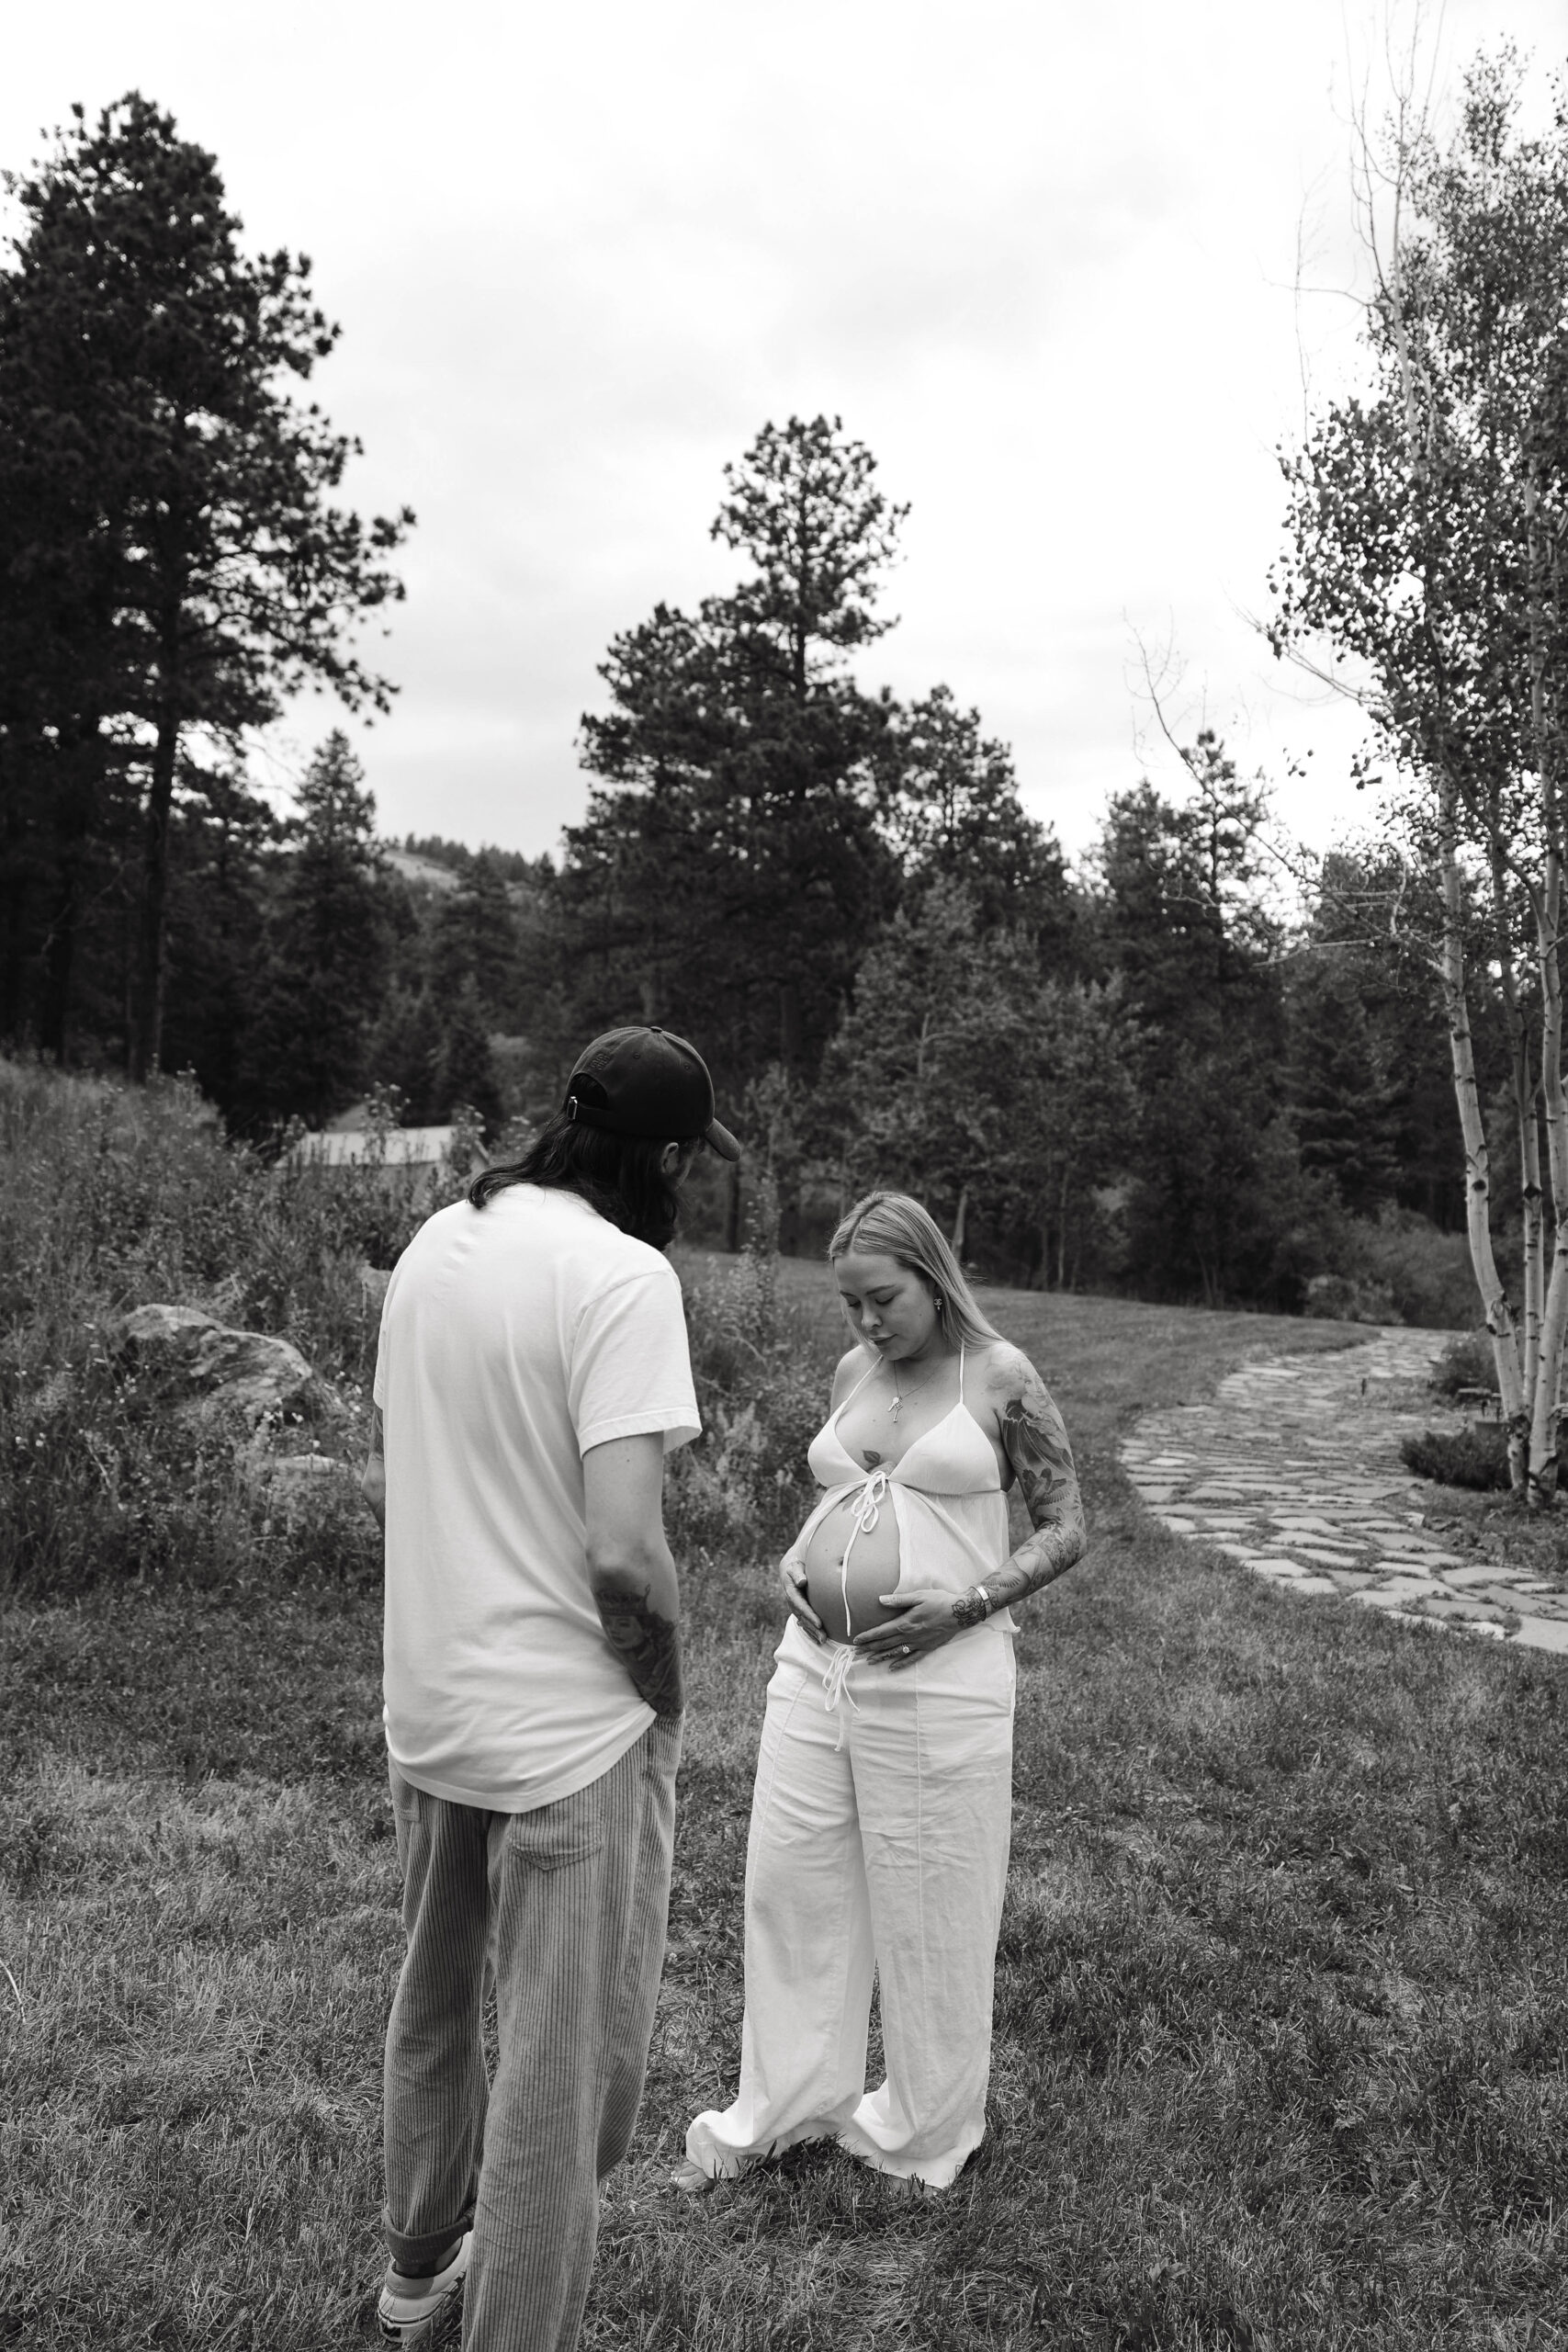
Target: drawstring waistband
column 836, row 1686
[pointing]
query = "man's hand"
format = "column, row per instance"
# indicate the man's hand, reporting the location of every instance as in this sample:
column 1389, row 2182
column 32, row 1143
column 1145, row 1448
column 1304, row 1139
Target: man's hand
column 629, row 1567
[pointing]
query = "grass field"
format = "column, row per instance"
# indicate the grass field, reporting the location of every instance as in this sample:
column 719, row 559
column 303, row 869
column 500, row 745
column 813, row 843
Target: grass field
column 1279, row 2057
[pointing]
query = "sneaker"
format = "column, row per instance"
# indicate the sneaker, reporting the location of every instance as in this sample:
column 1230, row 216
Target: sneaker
column 408, row 2309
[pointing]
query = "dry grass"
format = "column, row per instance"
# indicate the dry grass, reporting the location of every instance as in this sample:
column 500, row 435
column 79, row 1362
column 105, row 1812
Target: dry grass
column 1280, row 2048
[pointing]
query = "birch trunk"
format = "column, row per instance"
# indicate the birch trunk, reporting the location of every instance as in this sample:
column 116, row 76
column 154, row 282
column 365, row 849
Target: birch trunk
column 1477, row 1170
column 1533, row 1219
column 1547, row 904
column 1420, row 410
column 1554, row 1321
column 1527, row 1105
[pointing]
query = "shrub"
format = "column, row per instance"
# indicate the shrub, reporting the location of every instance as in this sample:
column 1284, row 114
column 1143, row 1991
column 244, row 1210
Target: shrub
column 1477, row 1456
column 117, row 1197
column 96, row 1488
column 742, row 1491
column 1467, row 1362
column 1426, row 1274
column 1336, row 1298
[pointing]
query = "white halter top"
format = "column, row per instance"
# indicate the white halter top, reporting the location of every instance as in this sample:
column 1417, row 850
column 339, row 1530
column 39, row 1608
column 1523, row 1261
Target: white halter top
column 944, row 1492
column 954, row 1457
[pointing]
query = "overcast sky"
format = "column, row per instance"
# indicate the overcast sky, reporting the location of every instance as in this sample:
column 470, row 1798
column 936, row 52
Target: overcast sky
column 1039, row 257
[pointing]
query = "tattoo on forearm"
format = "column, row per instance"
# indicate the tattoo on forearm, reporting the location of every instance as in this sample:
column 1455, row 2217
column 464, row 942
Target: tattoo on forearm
column 648, row 1646
column 1036, row 1444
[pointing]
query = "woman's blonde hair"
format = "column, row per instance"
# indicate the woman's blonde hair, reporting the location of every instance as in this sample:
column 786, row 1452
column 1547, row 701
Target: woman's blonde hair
column 898, row 1228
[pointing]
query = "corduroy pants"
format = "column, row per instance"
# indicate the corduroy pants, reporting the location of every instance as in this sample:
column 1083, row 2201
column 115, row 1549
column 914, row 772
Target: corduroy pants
column 564, row 1909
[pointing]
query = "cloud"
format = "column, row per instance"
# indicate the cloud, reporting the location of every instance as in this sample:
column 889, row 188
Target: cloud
column 1039, row 257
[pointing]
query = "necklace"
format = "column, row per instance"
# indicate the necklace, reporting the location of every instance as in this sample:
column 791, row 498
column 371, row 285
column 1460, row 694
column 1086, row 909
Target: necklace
column 899, row 1400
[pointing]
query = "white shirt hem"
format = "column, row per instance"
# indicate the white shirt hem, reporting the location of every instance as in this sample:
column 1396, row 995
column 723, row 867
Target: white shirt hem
column 581, row 1775
column 675, row 1421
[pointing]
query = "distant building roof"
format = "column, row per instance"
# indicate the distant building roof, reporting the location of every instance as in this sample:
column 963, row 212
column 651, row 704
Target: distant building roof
column 390, row 1148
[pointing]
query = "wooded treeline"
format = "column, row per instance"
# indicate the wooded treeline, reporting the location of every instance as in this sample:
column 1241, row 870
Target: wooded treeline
column 1185, row 1064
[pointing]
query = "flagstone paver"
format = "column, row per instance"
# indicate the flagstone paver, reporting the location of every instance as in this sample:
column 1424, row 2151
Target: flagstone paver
column 1294, row 1468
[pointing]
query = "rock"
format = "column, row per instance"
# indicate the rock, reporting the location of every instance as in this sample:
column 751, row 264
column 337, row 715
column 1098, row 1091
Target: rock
column 302, row 1468
column 166, row 1333
column 214, row 1370
column 291, row 1477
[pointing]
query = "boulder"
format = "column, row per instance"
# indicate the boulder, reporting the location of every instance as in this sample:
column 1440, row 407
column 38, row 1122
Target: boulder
column 164, row 1334
column 213, row 1370
column 291, row 1478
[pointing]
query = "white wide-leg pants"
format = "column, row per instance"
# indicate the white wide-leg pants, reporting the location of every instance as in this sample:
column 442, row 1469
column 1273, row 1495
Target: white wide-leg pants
column 880, row 1825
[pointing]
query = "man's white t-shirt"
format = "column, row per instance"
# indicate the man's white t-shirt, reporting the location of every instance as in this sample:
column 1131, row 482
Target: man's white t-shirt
column 514, row 1338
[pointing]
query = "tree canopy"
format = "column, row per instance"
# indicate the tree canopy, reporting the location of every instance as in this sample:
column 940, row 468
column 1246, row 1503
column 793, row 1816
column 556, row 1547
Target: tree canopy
column 172, row 561
column 730, row 857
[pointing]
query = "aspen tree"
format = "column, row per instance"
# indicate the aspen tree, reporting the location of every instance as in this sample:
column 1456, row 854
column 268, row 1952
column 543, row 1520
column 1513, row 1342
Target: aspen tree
column 1426, row 524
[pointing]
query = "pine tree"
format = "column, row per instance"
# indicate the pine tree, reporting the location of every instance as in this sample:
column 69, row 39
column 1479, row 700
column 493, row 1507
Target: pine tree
column 326, row 951
column 465, row 1068
column 1219, row 1205
column 474, row 943
column 1341, row 1097
column 961, row 1072
column 171, row 562
column 950, row 807
column 224, row 846
column 730, row 864
column 404, row 1051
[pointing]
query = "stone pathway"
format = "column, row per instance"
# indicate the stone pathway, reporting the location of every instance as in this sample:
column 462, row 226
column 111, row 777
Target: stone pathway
column 1294, row 1469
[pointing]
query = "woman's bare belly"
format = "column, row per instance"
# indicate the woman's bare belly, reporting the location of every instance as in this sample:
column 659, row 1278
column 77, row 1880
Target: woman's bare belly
column 872, row 1568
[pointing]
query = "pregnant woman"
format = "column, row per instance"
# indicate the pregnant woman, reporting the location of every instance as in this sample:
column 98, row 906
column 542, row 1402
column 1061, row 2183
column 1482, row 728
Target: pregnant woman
column 880, row 1819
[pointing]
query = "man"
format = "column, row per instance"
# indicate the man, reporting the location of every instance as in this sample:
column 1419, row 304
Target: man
column 533, row 1372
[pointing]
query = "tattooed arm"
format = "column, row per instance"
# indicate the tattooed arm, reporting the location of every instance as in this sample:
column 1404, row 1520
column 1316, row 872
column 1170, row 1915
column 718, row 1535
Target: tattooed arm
column 630, row 1571
column 1036, row 1444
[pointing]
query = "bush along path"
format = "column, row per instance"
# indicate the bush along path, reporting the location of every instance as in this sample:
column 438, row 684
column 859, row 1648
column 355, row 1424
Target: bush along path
column 1294, row 1469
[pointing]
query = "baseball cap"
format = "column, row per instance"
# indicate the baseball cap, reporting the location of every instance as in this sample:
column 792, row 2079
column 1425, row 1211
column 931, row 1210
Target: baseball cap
column 647, row 1081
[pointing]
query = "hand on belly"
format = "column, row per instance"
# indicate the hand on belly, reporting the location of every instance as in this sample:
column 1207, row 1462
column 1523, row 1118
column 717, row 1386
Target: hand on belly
column 872, row 1568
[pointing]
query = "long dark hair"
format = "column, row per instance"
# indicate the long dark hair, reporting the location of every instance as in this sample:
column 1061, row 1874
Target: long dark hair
column 619, row 1175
